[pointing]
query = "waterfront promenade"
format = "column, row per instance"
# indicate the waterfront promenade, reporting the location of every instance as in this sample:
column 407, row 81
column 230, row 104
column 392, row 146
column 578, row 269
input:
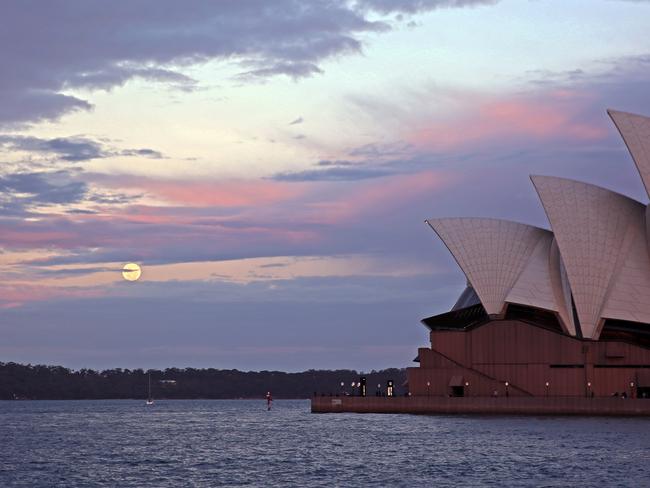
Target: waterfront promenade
column 483, row 405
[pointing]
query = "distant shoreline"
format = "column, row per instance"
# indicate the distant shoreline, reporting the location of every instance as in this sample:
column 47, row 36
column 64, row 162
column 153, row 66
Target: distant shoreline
column 261, row 399
column 20, row 382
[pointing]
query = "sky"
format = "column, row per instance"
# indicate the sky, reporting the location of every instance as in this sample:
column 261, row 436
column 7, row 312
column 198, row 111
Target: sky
column 270, row 166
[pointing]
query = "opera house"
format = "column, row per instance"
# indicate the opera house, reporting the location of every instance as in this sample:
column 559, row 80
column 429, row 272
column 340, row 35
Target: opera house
column 549, row 313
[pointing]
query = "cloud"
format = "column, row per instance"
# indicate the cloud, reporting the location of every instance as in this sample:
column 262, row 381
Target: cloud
column 107, row 197
column 297, row 121
column 338, row 162
column 71, row 149
column 23, row 190
column 147, row 153
column 196, row 193
column 275, row 265
column 371, row 198
column 545, row 112
column 293, row 70
column 67, row 149
column 332, row 174
column 415, row 6
column 118, row 75
column 265, row 219
column 372, row 163
column 70, row 45
column 67, row 272
column 66, row 46
column 82, row 211
column 16, row 295
column 22, row 103
column 545, row 116
column 37, row 193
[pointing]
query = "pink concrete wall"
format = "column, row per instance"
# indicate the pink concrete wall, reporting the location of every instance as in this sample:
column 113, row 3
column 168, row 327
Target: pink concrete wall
column 522, row 355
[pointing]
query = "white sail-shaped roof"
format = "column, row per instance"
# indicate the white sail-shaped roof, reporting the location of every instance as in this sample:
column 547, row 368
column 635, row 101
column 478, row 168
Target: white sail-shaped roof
column 561, row 289
column 533, row 287
column 635, row 130
column 594, row 228
column 492, row 253
column 630, row 295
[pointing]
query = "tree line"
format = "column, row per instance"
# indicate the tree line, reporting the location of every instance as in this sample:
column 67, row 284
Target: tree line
column 41, row 382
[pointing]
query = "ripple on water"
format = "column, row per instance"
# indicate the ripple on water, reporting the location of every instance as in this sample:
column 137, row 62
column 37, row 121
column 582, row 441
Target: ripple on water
column 239, row 443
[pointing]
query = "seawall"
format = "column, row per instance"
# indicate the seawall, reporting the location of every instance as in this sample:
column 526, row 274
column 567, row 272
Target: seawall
column 483, row 405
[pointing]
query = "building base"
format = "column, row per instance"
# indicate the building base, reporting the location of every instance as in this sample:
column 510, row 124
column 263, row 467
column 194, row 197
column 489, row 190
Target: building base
column 484, row 405
column 518, row 357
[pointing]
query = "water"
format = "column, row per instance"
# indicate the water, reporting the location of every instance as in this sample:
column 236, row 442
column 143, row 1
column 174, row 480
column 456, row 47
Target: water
column 238, row 443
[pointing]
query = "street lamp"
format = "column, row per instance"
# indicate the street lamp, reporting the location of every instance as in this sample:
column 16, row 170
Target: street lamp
column 428, row 385
column 546, row 385
column 631, row 389
column 589, row 392
column 467, row 386
column 390, row 388
column 507, row 384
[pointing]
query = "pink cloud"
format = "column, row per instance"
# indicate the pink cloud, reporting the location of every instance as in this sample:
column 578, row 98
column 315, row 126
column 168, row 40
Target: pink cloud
column 16, row 295
column 550, row 116
column 223, row 193
column 370, row 196
column 277, row 203
column 33, row 238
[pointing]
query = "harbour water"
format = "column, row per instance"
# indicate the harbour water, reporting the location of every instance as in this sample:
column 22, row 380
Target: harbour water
column 239, row 443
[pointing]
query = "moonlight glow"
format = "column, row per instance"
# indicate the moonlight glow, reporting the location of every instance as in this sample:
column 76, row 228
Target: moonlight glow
column 131, row 272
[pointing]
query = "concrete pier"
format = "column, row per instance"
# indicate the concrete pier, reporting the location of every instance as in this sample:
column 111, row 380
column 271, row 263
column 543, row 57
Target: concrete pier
column 483, row 405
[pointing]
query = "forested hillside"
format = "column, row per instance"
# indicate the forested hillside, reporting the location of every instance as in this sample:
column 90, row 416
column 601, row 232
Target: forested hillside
column 20, row 382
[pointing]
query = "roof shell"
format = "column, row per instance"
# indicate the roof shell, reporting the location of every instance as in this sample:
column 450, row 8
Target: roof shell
column 629, row 298
column 492, row 253
column 594, row 228
column 635, row 131
column 561, row 289
column 533, row 287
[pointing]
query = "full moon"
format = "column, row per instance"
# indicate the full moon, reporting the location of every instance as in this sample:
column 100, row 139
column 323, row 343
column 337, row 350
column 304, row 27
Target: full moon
column 131, row 272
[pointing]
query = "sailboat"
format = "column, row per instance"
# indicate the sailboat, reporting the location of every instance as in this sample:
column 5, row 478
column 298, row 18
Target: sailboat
column 149, row 398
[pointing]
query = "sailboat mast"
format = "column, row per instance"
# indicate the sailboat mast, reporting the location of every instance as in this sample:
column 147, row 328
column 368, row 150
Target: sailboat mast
column 149, row 398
